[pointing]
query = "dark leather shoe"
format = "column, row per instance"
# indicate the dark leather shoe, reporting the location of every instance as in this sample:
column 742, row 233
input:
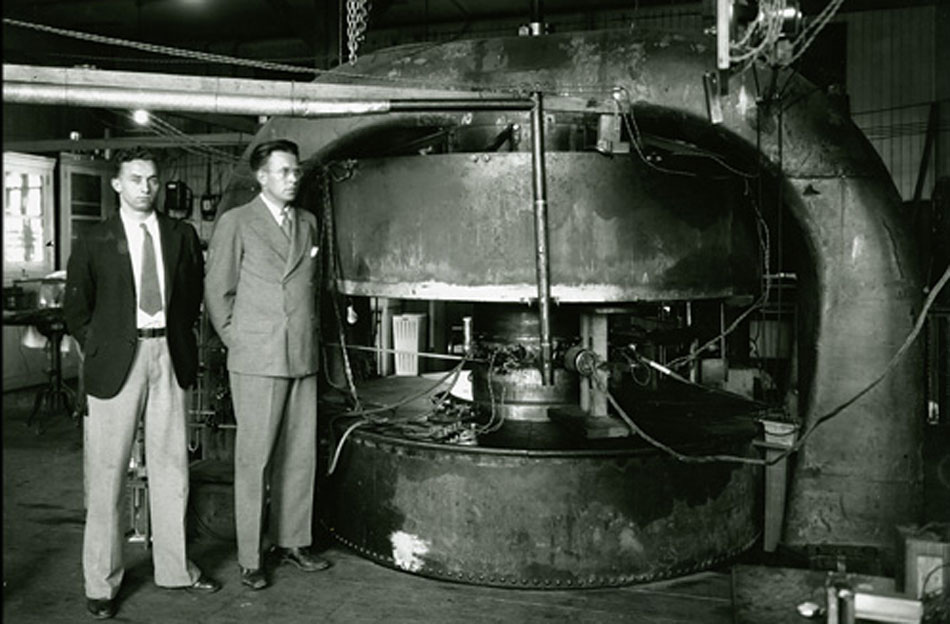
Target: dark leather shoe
column 254, row 579
column 304, row 560
column 100, row 609
column 204, row 585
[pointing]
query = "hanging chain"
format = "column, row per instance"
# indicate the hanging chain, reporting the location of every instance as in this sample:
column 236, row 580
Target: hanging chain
column 357, row 13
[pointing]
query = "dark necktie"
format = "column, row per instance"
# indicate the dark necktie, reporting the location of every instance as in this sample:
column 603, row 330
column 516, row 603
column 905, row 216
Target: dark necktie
column 285, row 223
column 150, row 300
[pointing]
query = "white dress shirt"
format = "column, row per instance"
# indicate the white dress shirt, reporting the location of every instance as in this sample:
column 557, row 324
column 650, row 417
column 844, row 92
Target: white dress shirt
column 277, row 212
column 133, row 233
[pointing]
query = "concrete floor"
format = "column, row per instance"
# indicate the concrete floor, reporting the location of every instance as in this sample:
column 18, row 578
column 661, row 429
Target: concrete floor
column 42, row 575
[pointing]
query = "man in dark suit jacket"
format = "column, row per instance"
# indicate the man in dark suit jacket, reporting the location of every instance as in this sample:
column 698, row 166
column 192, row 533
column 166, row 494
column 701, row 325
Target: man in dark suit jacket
column 133, row 295
column 261, row 295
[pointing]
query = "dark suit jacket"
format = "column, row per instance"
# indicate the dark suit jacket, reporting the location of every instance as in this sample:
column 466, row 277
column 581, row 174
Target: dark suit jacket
column 100, row 309
column 261, row 291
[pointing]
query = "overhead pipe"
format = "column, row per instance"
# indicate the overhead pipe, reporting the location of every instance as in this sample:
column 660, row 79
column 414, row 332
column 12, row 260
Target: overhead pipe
column 169, row 100
column 71, row 86
column 234, row 104
column 542, row 259
column 148, row 81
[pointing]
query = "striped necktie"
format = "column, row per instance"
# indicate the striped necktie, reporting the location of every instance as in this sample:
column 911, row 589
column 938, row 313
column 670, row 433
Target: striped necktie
column 285, row 222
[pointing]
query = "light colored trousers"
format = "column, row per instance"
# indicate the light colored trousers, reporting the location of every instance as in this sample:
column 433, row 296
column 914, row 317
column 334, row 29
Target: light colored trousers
column 152, row 391
column 276, row 453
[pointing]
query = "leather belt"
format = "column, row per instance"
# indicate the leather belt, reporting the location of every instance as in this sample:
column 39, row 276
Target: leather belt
column 152, row 332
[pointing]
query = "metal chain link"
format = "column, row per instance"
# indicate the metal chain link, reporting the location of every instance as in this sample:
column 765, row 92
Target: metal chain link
column 357, row 14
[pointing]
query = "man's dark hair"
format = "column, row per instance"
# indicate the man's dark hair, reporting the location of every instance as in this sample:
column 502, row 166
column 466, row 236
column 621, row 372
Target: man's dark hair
column 262, row 152
column 127, row 155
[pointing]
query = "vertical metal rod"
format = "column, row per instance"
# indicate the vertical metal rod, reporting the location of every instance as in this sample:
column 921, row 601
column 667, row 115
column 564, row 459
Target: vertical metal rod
column 722, row 340
column 723, row 10
column 535, row 26
column 542, row 260
column 693, row 345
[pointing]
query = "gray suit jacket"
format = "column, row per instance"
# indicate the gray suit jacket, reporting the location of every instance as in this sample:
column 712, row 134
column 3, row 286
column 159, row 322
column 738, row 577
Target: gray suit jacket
column 262, row 293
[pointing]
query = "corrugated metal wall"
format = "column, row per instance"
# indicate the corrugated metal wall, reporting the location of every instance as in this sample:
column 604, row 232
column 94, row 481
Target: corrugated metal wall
column 891, row 73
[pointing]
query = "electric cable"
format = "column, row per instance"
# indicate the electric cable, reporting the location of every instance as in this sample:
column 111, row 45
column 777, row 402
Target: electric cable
column 168, row 129
column 339, row 446
column 392, row 407
column 330, row 240
column 361, row 413
column 492, row 426
column 689, row 459
column 766, row 32
column 794, row 448
column 665, row 370
column 936, row 602
column 765, row 246
column 811, row 32
column 630, row 123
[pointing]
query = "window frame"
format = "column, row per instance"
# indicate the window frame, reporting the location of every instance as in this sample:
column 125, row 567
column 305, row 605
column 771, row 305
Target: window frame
column 19, row 163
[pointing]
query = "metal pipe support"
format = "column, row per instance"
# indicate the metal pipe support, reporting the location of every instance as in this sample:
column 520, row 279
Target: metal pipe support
column 542, row 260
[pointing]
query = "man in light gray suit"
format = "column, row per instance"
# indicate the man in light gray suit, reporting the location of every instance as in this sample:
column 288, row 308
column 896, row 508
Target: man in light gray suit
column 261, row 294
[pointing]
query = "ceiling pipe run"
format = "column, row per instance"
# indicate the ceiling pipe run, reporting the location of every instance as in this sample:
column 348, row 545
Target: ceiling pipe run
column 232, row 104
column 117, row 97
column 103, row 89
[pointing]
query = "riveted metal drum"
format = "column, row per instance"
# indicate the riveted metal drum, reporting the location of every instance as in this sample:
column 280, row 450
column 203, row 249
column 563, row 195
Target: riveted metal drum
column 452, row 226
column 540, row 518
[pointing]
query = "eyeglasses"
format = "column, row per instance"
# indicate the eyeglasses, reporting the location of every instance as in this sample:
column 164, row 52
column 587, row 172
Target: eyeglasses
column 286, row 172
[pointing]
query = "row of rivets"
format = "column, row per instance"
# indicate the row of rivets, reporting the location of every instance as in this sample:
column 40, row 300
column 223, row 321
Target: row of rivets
column 592, row 580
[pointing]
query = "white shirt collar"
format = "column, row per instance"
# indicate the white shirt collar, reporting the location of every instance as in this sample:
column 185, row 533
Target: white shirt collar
column 276, row 211
column 151, row 221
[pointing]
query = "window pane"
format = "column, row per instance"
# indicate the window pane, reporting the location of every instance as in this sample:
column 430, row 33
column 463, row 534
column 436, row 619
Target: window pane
column 33, row 240
column 13, row 253
column 34, row 202
column 12, row 235
column 24, row 233
column 14, row 202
